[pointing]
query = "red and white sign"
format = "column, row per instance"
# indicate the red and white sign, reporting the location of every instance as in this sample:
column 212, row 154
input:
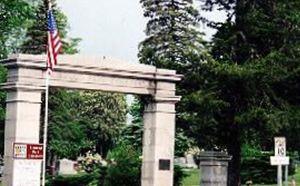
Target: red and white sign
column 28, row 151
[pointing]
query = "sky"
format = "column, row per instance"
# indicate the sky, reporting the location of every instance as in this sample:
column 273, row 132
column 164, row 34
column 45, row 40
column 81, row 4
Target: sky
column 112, row 27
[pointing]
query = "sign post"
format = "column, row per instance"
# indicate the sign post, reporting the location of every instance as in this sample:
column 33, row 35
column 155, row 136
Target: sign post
column 27, row 163
column 280, row 159
column 286, row 175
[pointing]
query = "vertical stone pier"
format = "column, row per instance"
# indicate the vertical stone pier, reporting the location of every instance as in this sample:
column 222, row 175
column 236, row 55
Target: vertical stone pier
column 22, row 124
column 213, row 167
column 158, row 142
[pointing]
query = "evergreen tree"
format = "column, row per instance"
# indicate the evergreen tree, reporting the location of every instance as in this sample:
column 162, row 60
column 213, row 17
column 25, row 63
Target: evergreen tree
column 36, row 38
column 173, row 40
column 255, row 77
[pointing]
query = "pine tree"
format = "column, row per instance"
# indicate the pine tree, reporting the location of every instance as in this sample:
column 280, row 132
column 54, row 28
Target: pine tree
column 255, row 75
column 174, row 42
column 36, row 35
column 173, row 39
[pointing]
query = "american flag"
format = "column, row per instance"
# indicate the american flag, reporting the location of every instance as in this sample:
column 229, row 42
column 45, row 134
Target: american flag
column 54, row 42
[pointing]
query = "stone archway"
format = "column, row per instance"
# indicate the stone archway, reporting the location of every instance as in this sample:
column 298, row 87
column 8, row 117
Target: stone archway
column 25, row 84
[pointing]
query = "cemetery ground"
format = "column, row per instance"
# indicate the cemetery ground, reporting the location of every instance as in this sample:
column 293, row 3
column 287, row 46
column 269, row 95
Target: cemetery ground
column 193, row 178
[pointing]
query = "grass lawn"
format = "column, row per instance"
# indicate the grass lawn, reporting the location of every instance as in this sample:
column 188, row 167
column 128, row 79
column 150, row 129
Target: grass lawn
column 193, row 178
column 297, row 176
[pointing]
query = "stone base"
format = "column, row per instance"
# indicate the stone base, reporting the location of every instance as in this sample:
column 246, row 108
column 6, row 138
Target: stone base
column 213, row 166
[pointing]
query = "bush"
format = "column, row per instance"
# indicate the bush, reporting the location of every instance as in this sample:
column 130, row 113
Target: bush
column 124, row 167
column 179, row 175
column 83, row 179
column 258, row 168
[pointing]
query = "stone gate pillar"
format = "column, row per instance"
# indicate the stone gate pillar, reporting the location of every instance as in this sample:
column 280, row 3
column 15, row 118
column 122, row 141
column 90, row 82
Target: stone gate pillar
column 21, row 126
column 158, row 142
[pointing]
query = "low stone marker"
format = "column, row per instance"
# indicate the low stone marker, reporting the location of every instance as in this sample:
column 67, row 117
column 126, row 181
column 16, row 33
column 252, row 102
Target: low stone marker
column 180, row 161
column 67, row 167
column 213, row 167
column 190, row 162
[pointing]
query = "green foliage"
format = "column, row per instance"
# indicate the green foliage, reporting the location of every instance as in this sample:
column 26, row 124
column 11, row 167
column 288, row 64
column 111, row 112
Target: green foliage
column 173, row 40
column 104, row 115
column 253, row 80
column 125, row 166
column 14, row 16
column 192, row 178
column 179, row 175
column 2, row 108
column 35, row 41
column 68, row 134
column 85, row 121
column 133, row 133
column 258, row 169
column 90, row 162
column 83, row 179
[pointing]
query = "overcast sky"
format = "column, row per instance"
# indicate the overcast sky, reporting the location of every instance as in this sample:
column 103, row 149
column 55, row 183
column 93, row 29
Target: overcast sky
column 111, row 27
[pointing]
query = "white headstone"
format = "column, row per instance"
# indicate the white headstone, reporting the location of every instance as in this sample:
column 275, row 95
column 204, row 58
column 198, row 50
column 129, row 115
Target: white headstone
column 67, row 167
column 190, row 162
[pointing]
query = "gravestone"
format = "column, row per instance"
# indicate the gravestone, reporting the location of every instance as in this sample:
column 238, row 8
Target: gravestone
column 181, row 161
column 67, row 167
column 190, row 162
column 213, row 167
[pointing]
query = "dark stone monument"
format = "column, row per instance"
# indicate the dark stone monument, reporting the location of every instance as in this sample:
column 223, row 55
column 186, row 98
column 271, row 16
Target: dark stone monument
column 213, row 167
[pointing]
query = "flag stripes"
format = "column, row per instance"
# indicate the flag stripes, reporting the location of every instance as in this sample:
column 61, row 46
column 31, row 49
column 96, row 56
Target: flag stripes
column 54, row 42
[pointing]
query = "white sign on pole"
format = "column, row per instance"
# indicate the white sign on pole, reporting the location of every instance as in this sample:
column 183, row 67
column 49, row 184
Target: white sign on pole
column 280, row 146
column 20, row 150
column 278, row 160
column 27, row 172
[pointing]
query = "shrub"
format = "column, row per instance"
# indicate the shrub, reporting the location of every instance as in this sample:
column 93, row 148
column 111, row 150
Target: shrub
column 258, row 168
column 179, row 175
column 124, row 167
column 91, row 162
column 82, row 179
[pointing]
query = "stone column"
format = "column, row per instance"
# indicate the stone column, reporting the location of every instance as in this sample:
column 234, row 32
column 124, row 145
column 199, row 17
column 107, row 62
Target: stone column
column 213, row 167
column 158, row 142
column 22, row 126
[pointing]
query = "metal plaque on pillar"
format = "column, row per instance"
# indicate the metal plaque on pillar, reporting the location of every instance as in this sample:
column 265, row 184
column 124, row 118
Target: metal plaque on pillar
column 164, row 164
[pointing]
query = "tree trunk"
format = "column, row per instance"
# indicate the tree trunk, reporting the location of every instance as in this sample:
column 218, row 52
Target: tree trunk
column 234, row 149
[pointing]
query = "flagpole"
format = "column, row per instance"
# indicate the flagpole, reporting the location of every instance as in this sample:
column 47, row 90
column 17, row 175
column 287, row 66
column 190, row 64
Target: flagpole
column 45, row 135
column 45, row 127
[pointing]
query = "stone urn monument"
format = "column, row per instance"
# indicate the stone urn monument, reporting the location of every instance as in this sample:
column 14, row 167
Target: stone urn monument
column 213, row 168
